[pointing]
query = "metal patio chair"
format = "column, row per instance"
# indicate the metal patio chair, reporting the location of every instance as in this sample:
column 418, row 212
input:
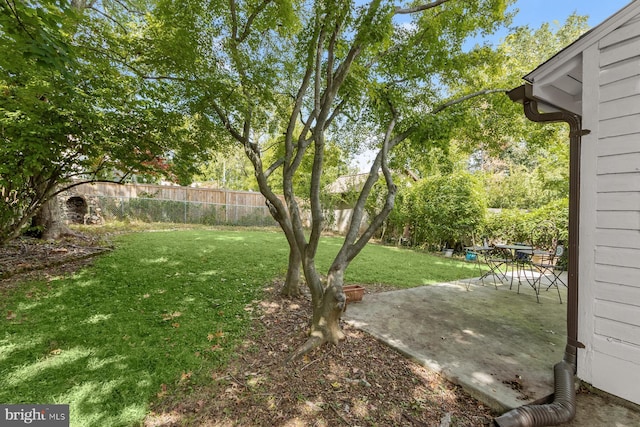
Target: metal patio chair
column 498, row 261
column 550, row 267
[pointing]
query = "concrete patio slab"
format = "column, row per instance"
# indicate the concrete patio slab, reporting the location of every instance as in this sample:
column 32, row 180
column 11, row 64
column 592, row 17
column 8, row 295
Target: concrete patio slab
column 498, row 344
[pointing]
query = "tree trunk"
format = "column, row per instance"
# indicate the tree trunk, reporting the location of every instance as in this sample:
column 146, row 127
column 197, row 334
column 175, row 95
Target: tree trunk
column 50, row 220
column 291, row 286
column 326, row 317
column 328, row 306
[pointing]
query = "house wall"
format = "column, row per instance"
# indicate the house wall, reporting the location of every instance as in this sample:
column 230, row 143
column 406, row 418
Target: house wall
column 342, row 219
column 609, row 272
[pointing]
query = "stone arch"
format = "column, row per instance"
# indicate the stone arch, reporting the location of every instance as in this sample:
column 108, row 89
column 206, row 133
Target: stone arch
column 76, row 208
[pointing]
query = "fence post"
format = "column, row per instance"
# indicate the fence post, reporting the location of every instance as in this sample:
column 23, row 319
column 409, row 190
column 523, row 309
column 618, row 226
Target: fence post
column 226, row 206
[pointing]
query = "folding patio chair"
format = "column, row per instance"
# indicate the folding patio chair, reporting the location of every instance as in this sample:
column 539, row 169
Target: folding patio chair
column 474, row 254
column 550, row 267
column 521, row 264
column 498, row 261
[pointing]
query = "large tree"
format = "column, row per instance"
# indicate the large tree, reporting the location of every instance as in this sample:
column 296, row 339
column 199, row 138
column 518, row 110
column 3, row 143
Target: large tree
column 73, row 111
column 367, row 72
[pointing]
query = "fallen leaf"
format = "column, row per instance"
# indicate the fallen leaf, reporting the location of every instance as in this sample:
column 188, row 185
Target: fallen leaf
column 55, row 352
column 146, row 296
column 171, row 316
column 163, row 387
column 185, row 376
column 210, row 337
column 175, row 325
column 11, row 315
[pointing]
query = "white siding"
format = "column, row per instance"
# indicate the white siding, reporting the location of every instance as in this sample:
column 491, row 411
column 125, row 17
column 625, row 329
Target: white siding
column 614, row 310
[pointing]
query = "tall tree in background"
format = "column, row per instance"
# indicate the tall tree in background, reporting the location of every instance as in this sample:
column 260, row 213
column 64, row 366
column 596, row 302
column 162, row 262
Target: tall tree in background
column 492, row 130
column 308, row 70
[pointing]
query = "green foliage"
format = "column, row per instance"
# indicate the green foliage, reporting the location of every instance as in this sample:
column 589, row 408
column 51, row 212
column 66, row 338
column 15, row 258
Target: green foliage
column 73, row 109
column 522, row 165
column 494, row 123
column 444, row 210
column 228, row 168
column 515, row 225
column 255, row 75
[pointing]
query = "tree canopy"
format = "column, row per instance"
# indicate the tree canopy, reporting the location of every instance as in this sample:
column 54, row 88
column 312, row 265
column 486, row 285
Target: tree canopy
column 71, row 108
column 301, row 74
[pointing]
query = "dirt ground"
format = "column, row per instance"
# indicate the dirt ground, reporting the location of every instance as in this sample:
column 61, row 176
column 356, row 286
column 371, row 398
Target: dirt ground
column 360, row 382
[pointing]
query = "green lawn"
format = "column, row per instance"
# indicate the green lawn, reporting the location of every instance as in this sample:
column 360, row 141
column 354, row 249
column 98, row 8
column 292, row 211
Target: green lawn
column 157, row 314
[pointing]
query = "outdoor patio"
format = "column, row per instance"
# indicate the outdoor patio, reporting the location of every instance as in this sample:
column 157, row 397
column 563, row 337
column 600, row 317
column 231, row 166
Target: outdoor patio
column 497, row 344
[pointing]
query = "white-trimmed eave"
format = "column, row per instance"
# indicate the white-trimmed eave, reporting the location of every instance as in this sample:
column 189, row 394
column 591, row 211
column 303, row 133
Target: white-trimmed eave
column 558, row 81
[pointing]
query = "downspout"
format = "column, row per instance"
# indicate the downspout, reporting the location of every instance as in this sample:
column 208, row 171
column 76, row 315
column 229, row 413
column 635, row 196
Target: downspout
column 563, row 407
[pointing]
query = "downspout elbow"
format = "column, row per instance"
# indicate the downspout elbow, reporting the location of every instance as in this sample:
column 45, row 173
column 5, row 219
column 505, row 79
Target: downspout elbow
column 561, row 410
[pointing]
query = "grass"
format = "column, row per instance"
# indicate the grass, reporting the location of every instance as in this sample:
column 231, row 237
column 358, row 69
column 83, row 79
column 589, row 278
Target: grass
column 157, row 315
column 399, row 267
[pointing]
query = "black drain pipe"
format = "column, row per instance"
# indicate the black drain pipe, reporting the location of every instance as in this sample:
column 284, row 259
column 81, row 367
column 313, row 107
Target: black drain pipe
column 563, row 407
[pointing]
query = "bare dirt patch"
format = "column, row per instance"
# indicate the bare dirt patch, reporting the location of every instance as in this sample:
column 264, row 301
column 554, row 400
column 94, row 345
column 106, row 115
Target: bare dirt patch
column 29, row 258
column 361, row 382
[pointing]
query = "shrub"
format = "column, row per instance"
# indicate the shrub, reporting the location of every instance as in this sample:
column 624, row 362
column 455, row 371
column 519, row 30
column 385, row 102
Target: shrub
column 515, row 225
column 444, row 210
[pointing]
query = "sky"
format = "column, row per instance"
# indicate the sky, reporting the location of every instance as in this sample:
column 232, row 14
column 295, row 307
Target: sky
column 535, row 12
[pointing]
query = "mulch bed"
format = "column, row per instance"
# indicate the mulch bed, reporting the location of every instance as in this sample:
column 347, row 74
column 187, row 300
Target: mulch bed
column 360, row 382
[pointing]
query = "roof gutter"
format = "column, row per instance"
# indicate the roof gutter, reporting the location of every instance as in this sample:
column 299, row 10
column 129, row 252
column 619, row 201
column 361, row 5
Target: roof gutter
column 563, row 407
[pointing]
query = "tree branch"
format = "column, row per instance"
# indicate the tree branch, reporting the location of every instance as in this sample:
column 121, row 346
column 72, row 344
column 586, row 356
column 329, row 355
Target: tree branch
column 380, row 162
column 405, row 11
column 227, row 124
column 274, row 167
column 88, row 181
column 110, row 18
column 120, row 60
column 11, row 5
column 251, row 18
column 465, row 98
column 128, row 9
column 234, row 20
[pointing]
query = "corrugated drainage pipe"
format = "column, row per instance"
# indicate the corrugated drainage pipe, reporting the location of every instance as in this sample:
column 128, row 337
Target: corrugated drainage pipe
column 561, row 410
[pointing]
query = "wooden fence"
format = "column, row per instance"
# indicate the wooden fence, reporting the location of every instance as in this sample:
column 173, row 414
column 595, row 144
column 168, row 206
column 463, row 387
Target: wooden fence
column 173, row 192
column 101, row 201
